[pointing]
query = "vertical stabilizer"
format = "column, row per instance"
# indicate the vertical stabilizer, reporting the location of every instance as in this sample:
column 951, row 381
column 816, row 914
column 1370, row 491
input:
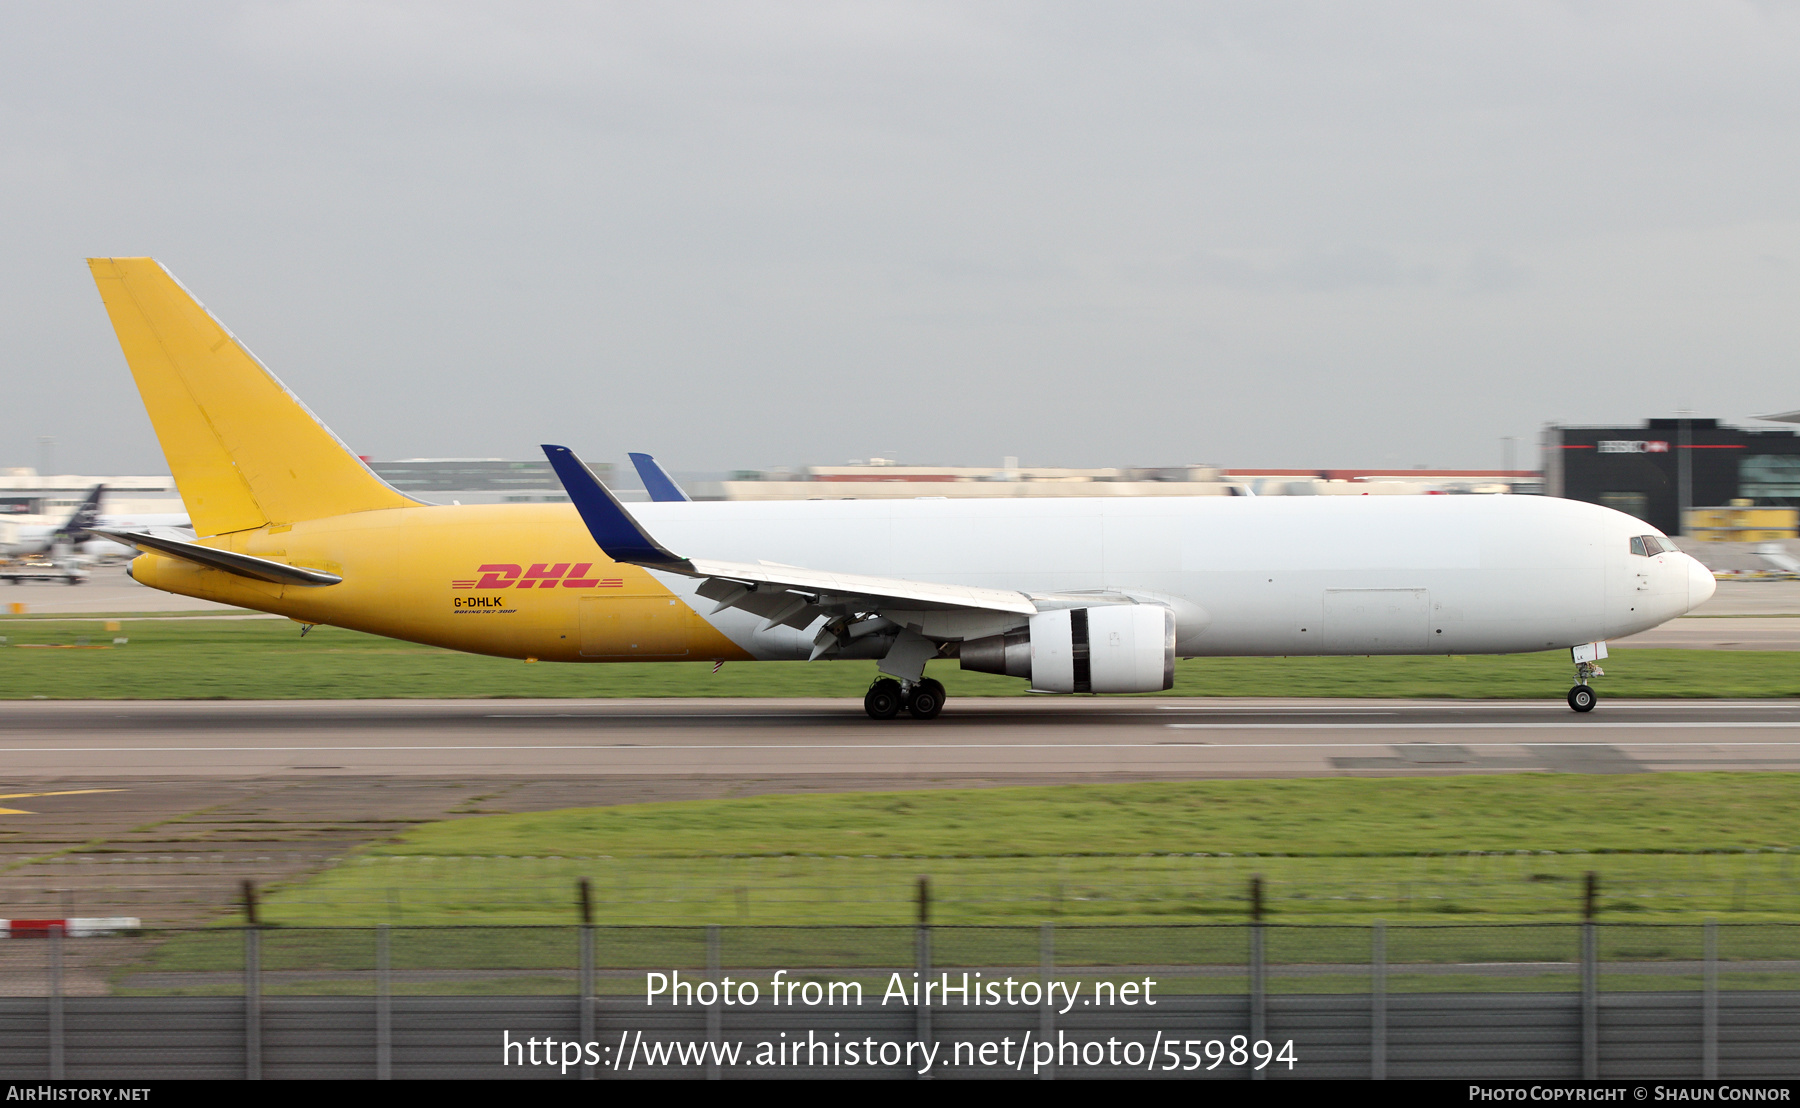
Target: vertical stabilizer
column 243, row 450
column 75, row 528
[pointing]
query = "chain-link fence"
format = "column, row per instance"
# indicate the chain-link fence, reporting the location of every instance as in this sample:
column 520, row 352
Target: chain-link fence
column 1384, row 1000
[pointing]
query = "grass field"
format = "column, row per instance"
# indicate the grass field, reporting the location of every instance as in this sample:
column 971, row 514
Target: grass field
column 1470, row 872
column 1668, row 847
column 197, row 658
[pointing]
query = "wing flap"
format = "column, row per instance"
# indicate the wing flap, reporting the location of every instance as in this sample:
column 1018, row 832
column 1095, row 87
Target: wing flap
column 824, row 584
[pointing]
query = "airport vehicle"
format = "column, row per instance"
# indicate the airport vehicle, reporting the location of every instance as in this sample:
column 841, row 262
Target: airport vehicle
column 38, row 569
column 1073, row 595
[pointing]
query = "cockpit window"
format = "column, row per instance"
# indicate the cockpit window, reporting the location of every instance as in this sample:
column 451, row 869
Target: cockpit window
column 1637, row 545
column 1646, row 546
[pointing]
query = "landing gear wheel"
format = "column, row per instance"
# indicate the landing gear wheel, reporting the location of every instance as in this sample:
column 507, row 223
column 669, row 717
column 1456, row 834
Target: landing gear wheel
column 1582, row 698
column 883, row 699
column 926, row 701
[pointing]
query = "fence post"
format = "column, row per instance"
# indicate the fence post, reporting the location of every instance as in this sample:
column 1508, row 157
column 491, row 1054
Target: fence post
column 384, row 1006
column 1590, row 982
column 1258, row 987
column 922, row 956
column 1047, row 1010
column 252, row 987
column 715, row 1013
column 1709, row 1005
column 1378, row 1002
column 56, row 1000
column 586, row 985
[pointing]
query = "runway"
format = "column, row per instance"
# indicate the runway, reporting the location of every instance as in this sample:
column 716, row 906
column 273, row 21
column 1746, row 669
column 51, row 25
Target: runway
column 1082, row 738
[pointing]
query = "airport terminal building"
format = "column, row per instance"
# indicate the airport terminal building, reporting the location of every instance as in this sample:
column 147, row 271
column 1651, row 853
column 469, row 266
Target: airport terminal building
column 1640, row 470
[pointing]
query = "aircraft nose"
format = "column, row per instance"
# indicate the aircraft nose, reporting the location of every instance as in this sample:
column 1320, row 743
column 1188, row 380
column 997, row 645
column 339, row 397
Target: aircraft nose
column 1701, row 583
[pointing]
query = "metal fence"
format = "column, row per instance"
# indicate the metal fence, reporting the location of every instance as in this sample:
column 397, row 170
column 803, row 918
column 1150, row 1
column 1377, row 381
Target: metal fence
column 1383, row 1001
column 410, row 890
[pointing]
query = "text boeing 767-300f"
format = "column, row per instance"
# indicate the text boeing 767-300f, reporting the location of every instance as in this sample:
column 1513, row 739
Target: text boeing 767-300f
column 1074, row 595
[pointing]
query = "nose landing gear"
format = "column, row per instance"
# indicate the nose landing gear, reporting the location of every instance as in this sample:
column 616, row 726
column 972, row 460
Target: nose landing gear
column 1582, row 698
column 1587, row 665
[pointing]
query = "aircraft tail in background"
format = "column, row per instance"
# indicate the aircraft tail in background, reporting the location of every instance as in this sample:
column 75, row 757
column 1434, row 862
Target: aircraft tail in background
column 657, row 482
column 243, row 450
column 87, row 514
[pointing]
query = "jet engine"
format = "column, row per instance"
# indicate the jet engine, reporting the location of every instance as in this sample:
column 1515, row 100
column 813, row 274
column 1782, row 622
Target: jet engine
column 1115, row 648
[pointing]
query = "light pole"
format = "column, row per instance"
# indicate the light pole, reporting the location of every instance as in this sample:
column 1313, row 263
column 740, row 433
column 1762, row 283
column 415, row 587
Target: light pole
column 1684, row 470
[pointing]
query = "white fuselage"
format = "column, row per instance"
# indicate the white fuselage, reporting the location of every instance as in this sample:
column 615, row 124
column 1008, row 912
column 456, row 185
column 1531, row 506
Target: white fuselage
column 1244, row 575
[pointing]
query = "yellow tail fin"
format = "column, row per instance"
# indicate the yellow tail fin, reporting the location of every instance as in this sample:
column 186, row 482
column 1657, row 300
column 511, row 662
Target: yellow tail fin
column 243, row 450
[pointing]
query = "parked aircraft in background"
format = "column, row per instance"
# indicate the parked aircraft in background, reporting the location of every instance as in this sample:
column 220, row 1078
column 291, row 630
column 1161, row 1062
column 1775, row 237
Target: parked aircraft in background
column 72, row 537
column 1072, row 595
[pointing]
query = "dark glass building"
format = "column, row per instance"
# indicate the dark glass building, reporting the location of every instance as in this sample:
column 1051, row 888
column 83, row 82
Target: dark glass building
column 1639, row 469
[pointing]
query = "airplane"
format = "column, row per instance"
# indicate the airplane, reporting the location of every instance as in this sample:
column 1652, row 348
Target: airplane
column 45, row 538
column 71, row 536
column 1073, row 595
column 657, row 482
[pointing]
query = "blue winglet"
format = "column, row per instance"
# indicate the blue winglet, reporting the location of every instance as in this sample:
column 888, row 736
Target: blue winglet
column 657, row 482
column 607, row 520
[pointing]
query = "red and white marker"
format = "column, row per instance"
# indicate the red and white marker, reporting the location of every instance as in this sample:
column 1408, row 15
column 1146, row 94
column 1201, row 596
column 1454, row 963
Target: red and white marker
column 79, row 928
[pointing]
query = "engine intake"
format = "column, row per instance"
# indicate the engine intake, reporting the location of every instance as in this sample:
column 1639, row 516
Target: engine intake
column 1114, row 648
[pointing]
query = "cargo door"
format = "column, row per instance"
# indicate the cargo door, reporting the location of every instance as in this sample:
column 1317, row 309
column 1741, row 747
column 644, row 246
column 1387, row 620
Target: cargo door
column 1377, row 621
column 636, row 627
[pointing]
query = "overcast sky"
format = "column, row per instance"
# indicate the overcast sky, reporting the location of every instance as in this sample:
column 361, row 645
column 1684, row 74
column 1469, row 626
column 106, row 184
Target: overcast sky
column 744, row 235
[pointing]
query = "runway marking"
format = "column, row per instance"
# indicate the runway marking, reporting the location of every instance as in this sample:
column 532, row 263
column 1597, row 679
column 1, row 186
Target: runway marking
column 702, row 716
column 63, row 792
column 1514, row 725
column 1277, row 711
column 1773, row 704
column 819, row 746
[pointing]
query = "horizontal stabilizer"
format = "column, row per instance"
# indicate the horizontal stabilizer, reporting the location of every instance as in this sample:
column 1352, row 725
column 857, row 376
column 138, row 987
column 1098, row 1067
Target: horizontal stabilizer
column 243, row 565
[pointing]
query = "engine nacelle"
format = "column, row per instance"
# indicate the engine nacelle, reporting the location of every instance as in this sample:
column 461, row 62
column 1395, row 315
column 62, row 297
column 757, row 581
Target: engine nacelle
column 1114, row 648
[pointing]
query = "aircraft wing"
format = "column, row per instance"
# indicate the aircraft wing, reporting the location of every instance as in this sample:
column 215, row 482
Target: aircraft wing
column 782, row 594
column 656, row 479
column 243, row 565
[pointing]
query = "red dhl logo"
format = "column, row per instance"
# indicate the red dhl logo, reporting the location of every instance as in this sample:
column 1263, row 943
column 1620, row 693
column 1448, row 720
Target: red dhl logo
column 542, row 575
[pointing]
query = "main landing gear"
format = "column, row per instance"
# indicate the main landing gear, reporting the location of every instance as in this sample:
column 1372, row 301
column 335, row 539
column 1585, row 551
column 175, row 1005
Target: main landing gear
column 886, row 697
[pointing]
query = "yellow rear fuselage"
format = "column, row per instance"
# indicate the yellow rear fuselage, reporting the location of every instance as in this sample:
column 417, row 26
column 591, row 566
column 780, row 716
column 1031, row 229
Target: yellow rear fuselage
column 513, row 580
